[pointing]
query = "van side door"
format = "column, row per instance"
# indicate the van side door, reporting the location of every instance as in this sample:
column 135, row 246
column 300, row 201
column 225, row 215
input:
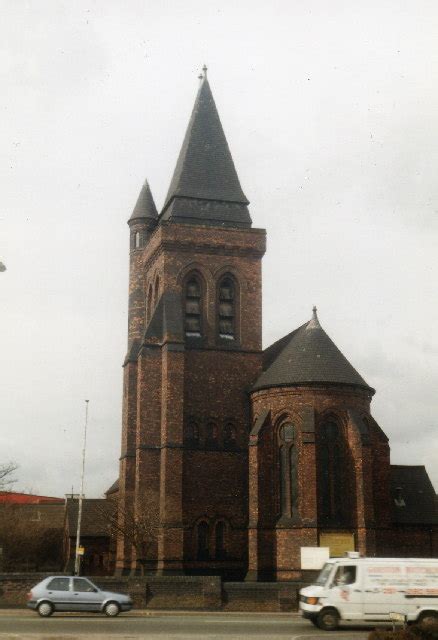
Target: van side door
column 383, row 584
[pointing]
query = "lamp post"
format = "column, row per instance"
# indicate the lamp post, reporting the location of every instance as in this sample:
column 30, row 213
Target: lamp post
column 81, row 495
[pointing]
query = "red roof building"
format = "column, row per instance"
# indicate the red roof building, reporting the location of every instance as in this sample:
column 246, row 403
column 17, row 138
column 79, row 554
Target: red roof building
column 13, row 497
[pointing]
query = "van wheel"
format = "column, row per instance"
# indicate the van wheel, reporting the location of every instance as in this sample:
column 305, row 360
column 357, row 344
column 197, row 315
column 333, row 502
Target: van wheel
column 45, row 609
column 428, row 618
column 111, row 609
column 328, row 619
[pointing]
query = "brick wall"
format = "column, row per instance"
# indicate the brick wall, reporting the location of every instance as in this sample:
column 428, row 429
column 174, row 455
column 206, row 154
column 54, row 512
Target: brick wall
column 206, row 593
column 15, row 586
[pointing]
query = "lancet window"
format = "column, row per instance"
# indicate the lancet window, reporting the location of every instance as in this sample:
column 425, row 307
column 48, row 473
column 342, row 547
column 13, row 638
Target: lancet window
column 330, row 468
column 287, row 455
column 220, row 540
column 229, row 435
column 202, row 535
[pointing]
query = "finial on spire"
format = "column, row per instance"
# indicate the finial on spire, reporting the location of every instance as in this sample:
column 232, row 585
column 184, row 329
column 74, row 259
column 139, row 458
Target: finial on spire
column 314, row 322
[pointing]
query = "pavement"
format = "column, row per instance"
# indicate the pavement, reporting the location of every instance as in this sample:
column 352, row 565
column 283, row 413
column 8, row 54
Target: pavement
column 23, row 624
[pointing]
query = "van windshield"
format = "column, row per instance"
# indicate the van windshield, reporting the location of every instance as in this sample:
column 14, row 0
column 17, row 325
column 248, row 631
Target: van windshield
column 325, row 572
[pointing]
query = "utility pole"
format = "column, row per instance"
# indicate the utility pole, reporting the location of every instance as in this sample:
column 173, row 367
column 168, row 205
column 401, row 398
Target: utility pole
column 81, row 495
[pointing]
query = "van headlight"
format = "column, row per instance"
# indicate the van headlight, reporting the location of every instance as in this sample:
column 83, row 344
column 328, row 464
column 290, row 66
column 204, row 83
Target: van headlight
column 309, row 599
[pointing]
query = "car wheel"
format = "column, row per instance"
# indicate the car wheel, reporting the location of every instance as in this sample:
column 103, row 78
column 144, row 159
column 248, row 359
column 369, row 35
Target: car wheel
column 45, row 609
column 428, row 618
column 111, row 609
column 328, row 619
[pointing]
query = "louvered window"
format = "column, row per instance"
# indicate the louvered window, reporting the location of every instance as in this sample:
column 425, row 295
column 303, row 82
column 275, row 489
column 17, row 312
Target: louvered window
column 226, row 310
column 193, row 308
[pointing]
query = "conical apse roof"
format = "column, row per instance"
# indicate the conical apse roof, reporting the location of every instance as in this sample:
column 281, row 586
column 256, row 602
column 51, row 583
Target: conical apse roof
column 307, row 356
column 205, row 188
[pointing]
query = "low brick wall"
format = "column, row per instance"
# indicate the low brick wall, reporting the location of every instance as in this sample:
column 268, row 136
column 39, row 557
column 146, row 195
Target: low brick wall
column 260, row 596
column 15, row 586
column 202, row 593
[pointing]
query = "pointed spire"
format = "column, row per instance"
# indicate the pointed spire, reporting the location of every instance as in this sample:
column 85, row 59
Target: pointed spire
column 145, row 207
column 314, row 322
column 205, row 188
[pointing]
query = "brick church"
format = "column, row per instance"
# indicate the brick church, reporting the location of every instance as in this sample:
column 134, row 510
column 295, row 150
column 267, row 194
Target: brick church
column 234, row 457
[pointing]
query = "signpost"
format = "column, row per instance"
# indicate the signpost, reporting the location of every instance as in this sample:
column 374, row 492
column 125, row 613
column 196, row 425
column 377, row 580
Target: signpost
column 398, row 617
column 78, row 553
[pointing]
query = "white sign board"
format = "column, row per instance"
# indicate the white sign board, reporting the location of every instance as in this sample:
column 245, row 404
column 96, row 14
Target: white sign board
column 314, row 557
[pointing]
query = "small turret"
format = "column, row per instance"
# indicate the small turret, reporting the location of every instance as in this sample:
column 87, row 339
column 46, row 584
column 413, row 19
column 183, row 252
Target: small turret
column 143, row 219
column 141, row 224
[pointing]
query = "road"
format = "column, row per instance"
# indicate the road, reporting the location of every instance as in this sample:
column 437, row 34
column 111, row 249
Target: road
column 26, row 625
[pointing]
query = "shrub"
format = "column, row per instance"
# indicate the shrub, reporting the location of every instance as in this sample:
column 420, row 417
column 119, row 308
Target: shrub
column 414, row 632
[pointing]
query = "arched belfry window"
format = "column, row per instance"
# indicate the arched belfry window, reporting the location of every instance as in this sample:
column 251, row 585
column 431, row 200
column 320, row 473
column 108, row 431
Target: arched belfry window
column 226, row 309
column 330, row 468
column 193, row 307
column 287, row 456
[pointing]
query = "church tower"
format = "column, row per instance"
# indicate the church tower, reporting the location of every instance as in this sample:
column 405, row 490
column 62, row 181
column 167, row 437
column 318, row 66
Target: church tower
column 194, row 352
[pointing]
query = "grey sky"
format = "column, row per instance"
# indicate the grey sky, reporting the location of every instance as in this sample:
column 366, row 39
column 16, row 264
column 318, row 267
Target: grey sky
column 330, row 110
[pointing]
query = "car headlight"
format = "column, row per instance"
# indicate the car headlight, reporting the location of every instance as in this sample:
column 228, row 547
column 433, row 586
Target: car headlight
column 309, row 600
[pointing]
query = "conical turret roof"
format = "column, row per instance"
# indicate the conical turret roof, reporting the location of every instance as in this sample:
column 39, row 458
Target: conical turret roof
column 205, row 188
column 307, row 356
column 145, row 206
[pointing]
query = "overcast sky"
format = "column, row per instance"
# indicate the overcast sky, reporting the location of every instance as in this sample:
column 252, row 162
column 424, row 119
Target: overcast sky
column 330, row 110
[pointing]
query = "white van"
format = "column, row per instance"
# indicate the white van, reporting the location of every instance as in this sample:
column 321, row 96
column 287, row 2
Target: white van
column 354, row 588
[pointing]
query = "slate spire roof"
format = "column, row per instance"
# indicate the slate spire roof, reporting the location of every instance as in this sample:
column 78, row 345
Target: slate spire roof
column 205, row 188
column 307, row 356
column 145, row 206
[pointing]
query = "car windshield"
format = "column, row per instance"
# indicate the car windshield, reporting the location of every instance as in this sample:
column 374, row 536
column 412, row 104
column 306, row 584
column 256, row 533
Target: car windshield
column 325, row 572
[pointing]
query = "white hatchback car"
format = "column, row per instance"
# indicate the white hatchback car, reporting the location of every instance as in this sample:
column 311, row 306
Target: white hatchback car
column 64, row 593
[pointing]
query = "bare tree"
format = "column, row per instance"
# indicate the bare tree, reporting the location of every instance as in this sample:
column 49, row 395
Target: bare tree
column 7, row 470
column 137, row 524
